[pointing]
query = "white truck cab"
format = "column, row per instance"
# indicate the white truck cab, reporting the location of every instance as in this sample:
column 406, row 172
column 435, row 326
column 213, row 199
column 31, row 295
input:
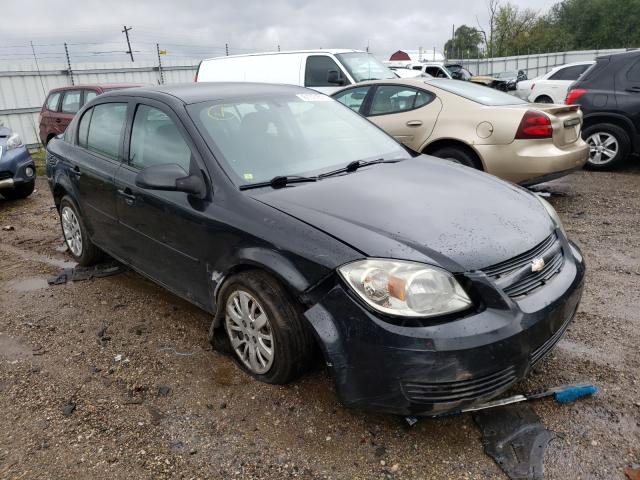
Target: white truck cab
column 323, row 70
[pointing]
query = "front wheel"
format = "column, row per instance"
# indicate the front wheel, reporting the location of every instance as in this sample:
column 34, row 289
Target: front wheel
column 75, row 234
column 264, row 328
column 608, row 144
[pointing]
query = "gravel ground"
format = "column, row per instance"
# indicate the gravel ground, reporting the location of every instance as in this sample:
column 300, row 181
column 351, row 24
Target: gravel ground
column 114, row 378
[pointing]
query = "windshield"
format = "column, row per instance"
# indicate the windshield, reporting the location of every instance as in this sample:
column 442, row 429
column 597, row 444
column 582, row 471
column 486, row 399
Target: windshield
column 364, row 66
column 257, row 139
column 476, row 93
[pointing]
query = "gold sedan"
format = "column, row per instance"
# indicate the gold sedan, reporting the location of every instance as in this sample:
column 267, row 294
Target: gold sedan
column 474, row 125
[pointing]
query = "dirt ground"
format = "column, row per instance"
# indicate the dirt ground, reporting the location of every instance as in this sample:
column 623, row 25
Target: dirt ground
column 114, row 378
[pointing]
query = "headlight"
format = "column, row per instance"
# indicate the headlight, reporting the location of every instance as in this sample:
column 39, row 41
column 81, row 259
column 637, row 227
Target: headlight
column 409, row 289
column 14, row 141
column 552, row 213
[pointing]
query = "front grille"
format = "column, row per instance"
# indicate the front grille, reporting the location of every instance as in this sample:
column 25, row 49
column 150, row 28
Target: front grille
column 447, row 392
column 515, row 275
column 543, row 349
column 5, row 175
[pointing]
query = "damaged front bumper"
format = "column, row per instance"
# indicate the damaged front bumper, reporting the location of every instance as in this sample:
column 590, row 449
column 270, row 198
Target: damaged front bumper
column 442, row 367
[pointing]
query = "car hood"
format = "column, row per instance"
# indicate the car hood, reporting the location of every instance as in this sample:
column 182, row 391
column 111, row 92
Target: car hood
column 422, row 209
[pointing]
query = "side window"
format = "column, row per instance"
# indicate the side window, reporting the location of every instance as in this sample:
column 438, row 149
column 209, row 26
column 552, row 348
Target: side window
column 569, row 73
column 71, row 101
column 52, row 102
column 105, row 129
column 353, row 98
column 83, row 128
column 436, row 72
column 155, row 140
column 317, row 71
column 393, row 99
column 633, row 75
column 89, row 95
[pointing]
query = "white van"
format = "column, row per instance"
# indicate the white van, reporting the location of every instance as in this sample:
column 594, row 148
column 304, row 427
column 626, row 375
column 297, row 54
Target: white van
column 322, row 70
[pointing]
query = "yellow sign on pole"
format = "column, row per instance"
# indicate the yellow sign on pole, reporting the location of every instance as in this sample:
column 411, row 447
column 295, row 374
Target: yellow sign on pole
column 162, row 52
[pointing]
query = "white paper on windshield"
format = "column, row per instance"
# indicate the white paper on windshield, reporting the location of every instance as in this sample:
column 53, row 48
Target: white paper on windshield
column 313, row 97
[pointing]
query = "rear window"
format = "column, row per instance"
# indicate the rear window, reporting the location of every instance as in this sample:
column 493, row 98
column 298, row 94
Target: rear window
column 476, row 93
column 569, row 73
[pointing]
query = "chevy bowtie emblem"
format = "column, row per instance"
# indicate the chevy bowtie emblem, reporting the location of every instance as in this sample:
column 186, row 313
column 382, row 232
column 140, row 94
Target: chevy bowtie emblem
column 537, row 264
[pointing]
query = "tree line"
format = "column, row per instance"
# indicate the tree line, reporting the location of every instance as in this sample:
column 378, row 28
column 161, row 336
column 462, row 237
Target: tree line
column 568, row 25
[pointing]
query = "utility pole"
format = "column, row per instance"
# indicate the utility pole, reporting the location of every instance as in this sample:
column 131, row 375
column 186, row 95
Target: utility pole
column 160, row 65
column 66, row 51
column 453, row 41
column 226, row 48
column 126, row 33
column 278, row 47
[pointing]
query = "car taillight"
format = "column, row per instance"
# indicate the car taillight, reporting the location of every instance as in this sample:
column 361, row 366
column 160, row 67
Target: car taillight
column 574, row 95
column 534, row 125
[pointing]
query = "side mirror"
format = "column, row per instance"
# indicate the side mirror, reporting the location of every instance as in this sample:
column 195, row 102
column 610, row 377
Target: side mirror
column 333, row 76
column 171, row 178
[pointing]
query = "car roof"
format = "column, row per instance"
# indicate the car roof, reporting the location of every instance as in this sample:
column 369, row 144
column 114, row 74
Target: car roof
column 333, row 51
column 98, row 85
column 197, row 92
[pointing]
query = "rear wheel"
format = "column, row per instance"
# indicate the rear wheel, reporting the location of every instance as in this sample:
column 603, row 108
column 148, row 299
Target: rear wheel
column 264, row 328
column 458, row 155
column 20, row 191
column 75, row 234
column 544, row 99
column 609, row 145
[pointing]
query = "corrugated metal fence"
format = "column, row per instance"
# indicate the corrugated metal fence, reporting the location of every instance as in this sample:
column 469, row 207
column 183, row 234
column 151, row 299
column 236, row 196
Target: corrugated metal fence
column 24, row 87
column 534, row 64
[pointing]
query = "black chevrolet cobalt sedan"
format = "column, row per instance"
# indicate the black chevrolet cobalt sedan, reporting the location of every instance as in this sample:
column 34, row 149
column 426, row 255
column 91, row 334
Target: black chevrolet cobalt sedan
column 301, row 227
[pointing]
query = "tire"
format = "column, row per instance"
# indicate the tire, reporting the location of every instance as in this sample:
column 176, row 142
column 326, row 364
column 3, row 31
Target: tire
column 544, row 99
column 19, row 192
column 75, row 234
column 458, row 155
column 290, row 342
column 611, row 142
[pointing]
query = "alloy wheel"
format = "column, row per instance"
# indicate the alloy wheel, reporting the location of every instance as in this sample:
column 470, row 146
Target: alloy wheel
column 72, row 232
column 249, row 332
column 603, row 148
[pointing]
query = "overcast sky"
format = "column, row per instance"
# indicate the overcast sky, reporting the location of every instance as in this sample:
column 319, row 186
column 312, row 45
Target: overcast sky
column 200, row 28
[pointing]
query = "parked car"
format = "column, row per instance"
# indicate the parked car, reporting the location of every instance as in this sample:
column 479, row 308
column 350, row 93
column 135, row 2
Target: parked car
column 474, row 125
column 323, row 70
column 552, row 87
column 442, row 70
column 17, row 170
column 609, row 95
column 402, row 72
column 296, row 223
column 63, row 103
column 503, row 81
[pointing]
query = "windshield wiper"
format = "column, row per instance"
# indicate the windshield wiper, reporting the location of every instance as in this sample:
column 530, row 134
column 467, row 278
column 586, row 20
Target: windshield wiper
column 356, row 164
column 279, row 182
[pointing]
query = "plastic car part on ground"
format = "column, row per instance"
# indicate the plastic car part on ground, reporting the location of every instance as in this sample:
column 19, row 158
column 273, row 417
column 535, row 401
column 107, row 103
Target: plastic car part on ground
column 77, row 274
column 514, row 437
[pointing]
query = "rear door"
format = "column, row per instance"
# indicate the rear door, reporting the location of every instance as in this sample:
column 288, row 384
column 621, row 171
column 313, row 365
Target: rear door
column 628, row 92
column 96, row 160
column 408, row 114
column 165, row 233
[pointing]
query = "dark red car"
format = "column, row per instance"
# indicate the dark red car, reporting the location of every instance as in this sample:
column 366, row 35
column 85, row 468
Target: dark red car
column 63, row 103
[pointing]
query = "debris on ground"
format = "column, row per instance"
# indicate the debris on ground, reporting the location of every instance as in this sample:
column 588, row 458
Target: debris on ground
column 77, row 274
column 68, row 408
column 8, row 228
column 515, row 438
column 632, row 472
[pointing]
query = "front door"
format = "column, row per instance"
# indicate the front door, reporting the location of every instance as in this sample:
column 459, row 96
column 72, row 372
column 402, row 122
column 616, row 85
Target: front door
column 165, row 233
column 406, row 113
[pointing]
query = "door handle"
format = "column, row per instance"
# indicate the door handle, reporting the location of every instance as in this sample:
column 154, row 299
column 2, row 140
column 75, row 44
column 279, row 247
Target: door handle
column 414, row 123
column 58, row 120
column 129, row 197
column 76, row 171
